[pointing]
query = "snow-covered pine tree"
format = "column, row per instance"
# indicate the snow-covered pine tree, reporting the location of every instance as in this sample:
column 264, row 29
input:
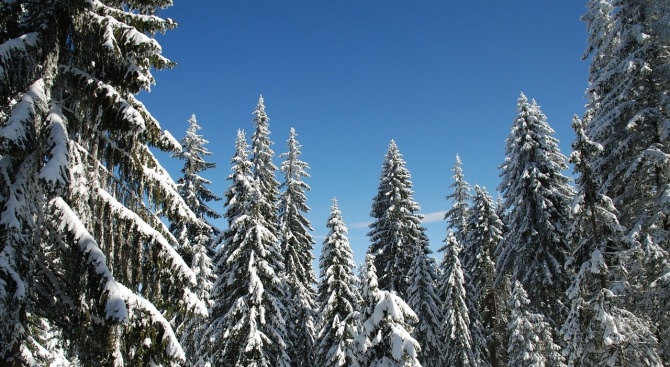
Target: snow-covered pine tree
column 600, row 330
column 425, row 301
column 195, row 239
column 81, row 245
column 457, row 216
column 387, row 322
column 628, row 114
column 530, row 343
column 484, row 231
column 458, row 347
column 537, row 197
column 296, row 245
column 338, row 296
column 396, row 230
column 247, row 319
column 264, row 170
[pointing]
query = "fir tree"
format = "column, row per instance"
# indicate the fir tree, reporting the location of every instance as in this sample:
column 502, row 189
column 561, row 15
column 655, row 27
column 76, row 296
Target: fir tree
column 296, row 246
column 457, row 216
column 195, row 239
column 386, row 325
column 248, row 327
column 423, row 298
column 600, row 330
column 537, row 196
column 458, row 349
column 396, row 231
column 338, row 296
column 530, row 342
column 483, row 235
column 79, row 247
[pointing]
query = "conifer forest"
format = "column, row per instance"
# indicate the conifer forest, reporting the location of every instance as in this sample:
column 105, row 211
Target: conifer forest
column 108, row 260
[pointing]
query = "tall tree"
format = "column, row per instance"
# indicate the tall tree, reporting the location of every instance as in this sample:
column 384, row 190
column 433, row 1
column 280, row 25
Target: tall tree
column 79, row 246
column 628, row 114
column 264, row 170
column 600, row 329
column 458, row 350
column 396, row 231
column 530, row 342
column 484, row 232
column 424, row 299
column 195, row 239
column 247, row 325
column 537, row 197
column 296, row 244
column 457, row 216
column 387, row 322
column 338, row 296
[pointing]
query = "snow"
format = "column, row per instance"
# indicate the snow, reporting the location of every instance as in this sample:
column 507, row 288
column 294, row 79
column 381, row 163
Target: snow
column 55, row 171
column 116, row 307
column 23, row 113
column 16, row 45
column 172, row 347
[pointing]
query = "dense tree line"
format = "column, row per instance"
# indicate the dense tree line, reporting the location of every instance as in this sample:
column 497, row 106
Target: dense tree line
column 106, row 260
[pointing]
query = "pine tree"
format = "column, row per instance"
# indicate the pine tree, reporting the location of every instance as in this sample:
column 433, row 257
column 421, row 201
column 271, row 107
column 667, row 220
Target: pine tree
column 338, row 296
column 423, row 298
column 457, row 216
column 600, row 330
column 537, row 197
column 80, row 248
column 296, row 245
column 458, row 349
column 386, row 325
column 530, row 342
column 195, row 239
column 396, row 231
column 247, row 327
column 483, row 235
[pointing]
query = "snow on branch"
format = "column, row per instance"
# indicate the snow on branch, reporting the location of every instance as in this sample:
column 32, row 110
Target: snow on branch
column 56, row 171
column 109, row 96
column 14, row 134
column 6, row 266
column 15, row 58
column 142, row 22
column 116, row 307
column 142, row 312
column 165, row 249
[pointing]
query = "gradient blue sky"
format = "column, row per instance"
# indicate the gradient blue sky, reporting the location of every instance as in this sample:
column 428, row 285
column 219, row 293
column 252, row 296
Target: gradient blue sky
column 438, row 77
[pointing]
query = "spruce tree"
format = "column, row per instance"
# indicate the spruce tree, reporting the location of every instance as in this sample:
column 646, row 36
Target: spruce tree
column 458, row 347
column 537, row 197
column 628, row 116
column 82, row 244
column 483, row 235
column 457, row 216
column 396, row 231
column 385, row 338
column 247, row 325
column 264, row 169
column 296, row 244
column 600, row 329
column 195, row 239
column 423, row 298
column 338, row 296
column 530, row 342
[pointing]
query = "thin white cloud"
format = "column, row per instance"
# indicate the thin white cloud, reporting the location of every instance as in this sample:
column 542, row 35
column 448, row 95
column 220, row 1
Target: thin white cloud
column 433, row 217
column 427, row 218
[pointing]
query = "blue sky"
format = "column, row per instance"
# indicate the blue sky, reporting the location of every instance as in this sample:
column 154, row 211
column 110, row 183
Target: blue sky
column 438, row 77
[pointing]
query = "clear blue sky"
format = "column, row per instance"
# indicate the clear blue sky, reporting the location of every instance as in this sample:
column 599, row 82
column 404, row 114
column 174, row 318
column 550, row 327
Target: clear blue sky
column 438, row 77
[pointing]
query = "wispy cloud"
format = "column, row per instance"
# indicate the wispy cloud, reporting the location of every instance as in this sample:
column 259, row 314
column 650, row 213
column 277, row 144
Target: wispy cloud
column 433, row 217
column 360, row 225
column 427, row 218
